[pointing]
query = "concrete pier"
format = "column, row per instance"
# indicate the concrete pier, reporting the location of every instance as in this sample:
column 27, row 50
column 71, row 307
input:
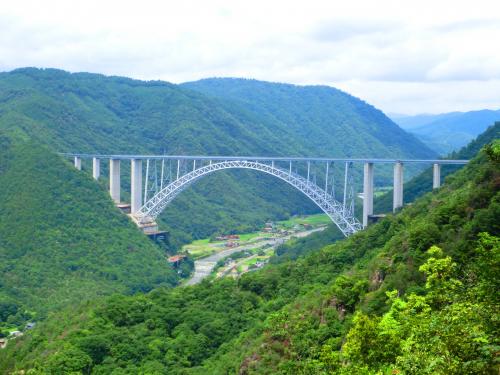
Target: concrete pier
column 135, row 185
column 114, row 179
column 96, row 168
column 78, row 163
column 367, row 193
column 398, row 186
column 436, row 176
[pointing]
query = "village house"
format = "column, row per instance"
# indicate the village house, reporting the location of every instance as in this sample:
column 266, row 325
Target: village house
column 176, row 259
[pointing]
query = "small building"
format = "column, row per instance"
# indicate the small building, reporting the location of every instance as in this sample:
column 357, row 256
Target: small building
column 3, row 343
column 176, row 259
column 232, row 244
column 30, row 325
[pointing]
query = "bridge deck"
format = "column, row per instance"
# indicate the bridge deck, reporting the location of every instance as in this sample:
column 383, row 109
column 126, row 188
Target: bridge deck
column 264, row 158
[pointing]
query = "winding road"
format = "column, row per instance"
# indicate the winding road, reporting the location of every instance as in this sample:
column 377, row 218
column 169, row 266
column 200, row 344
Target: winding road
column 203, row 267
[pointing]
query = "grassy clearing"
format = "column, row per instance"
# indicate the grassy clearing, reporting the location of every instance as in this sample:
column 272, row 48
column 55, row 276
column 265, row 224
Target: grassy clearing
column 203, row 248
column 248, row 237
column 318, row 219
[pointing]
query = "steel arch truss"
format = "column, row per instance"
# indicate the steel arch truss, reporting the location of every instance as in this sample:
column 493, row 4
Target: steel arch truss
column 343, row 218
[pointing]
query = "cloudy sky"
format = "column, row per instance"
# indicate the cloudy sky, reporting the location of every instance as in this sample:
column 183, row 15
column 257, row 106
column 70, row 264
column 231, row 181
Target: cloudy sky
column 402, row 56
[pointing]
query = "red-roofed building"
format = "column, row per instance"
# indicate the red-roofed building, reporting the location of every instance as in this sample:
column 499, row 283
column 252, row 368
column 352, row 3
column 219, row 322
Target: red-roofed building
column 175, row 259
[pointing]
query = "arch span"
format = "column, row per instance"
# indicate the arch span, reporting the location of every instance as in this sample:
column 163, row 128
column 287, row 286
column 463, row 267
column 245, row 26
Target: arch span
column 343, row 219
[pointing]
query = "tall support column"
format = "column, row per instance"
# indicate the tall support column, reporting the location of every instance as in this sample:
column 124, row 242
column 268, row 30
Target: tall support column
column 114, row 179
column 398, row 186
column 367, row 193
column 436, row 176
column 96, row 168
column 135, row 185
column 78, row 163
column 146, row 182
column 162, row 169
column 345, row 185
column 326, row 178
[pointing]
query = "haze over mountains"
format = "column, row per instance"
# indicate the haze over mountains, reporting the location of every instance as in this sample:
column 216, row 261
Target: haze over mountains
column 448, row 131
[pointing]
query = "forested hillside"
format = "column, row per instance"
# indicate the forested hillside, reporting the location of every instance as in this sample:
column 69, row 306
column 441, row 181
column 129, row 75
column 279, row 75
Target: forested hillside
column 415, row 294
column 422, row 183
column 321, row 116
column 93, row 113
column 61, row 238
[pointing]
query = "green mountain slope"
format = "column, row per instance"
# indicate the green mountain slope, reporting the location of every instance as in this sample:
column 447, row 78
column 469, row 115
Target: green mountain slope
column 449, row 131
column 377, row 302
column 61, row 238
column 422, row 183
column 93, row 113
column 329, row 121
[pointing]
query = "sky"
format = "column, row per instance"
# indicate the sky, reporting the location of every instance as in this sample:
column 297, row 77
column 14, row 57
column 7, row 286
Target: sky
column 403, row 56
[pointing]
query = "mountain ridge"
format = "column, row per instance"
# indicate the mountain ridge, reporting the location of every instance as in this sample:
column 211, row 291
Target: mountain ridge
column 87, row 112
column 448, row 132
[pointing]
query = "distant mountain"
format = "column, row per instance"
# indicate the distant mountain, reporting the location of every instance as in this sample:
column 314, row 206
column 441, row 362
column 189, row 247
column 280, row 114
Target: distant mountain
column 408, row 122
column 449, row 131
column 422, row 183
column 94, row 113
column 330, row 122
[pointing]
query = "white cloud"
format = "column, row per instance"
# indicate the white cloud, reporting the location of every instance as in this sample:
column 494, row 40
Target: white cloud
column 401, row 56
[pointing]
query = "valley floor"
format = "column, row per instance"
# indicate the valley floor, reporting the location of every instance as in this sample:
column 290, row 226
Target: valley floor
column 245, row 252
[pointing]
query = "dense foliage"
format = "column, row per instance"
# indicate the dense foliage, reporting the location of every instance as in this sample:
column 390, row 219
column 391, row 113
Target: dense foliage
column 93, row 113
column 297, row 247
column 422, row 183
column 61, row 238
column 323, row 117
column 415, row 293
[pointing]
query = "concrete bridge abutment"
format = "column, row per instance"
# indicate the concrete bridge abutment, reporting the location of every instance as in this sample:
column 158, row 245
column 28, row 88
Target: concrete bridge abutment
column 135, row 185
column 78, row 163
column 96, row 168
column 398, row 187
column 367, row 193
column 436, row 176
column 114, row 179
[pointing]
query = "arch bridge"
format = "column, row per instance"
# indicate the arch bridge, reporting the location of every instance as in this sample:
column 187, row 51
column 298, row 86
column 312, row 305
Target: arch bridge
column 166, row 176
